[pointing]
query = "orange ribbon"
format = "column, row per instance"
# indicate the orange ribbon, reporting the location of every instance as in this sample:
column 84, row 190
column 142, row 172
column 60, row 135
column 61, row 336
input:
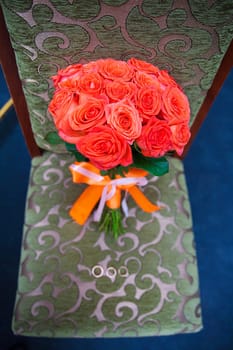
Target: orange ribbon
column 84, row 172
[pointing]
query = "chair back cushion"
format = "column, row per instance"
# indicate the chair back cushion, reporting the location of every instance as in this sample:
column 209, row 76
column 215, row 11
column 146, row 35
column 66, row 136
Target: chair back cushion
column 187, row 38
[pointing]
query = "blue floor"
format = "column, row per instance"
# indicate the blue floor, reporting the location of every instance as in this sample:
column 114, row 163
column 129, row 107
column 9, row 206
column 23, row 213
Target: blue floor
column 209, row 169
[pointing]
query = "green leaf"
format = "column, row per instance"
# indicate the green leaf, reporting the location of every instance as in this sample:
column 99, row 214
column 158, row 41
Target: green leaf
column 53, row 138
column 122, row 170
column 119, row 170
column 155, row 166
column 79, row 157
column 72, row 148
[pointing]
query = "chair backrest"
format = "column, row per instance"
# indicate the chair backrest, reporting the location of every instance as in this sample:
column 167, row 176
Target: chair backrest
column 189, row 39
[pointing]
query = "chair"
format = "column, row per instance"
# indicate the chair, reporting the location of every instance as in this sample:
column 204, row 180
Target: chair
column 58, row 293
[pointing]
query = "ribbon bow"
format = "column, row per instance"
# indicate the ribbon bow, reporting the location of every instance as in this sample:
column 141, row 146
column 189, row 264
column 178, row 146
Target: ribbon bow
column 105, row 190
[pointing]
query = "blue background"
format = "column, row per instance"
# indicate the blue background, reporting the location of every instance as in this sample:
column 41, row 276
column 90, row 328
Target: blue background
column 209, row 171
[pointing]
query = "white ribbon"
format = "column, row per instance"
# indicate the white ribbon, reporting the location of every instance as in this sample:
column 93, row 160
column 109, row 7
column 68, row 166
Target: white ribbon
column 110, row 189
column 107, row 195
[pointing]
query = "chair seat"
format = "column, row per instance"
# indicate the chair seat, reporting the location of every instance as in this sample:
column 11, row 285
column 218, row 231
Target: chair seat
column 148, row 282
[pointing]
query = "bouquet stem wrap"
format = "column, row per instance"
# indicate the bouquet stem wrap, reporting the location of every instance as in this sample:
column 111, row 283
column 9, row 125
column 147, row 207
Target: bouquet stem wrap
column 107, row 191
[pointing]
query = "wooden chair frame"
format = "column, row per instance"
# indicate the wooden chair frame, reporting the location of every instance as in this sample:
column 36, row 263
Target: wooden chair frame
column 8, row 62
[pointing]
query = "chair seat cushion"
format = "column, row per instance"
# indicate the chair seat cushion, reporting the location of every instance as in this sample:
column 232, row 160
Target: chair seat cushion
column 77, row 282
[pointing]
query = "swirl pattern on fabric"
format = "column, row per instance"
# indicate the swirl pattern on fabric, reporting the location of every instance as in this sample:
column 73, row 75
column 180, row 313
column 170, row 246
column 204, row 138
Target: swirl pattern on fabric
column 58, row 294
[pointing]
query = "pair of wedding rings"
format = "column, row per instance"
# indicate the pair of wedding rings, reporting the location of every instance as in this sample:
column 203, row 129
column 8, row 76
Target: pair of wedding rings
column 110, row 272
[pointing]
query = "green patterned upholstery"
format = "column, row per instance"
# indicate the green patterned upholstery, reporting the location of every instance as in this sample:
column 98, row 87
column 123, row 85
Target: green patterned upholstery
column 188, row 38
column 58, row 296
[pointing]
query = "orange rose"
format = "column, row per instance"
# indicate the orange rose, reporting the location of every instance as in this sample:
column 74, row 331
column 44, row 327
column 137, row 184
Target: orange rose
column 105, row 148
column 143, row 66
column 143, row 80
column 175, row 106
column 124, row 118
column 180, row 136
column 67, row 134
column 66, row 73
column 90, row 67
column 166, row 80
column 90, row 83
column 70, row 70
column 115, row 70
column 61, row 103
column 88, row 114
column 149, row 102
column 155, row 139
column 70, row 84
column 118, row 90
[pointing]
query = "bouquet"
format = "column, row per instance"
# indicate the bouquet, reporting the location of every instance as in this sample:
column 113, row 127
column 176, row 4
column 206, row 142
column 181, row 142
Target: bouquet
column 120, row 119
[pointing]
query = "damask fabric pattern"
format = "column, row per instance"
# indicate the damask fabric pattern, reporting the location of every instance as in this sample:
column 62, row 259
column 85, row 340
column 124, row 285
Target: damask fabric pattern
column 188, row 38
column 149, row 284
